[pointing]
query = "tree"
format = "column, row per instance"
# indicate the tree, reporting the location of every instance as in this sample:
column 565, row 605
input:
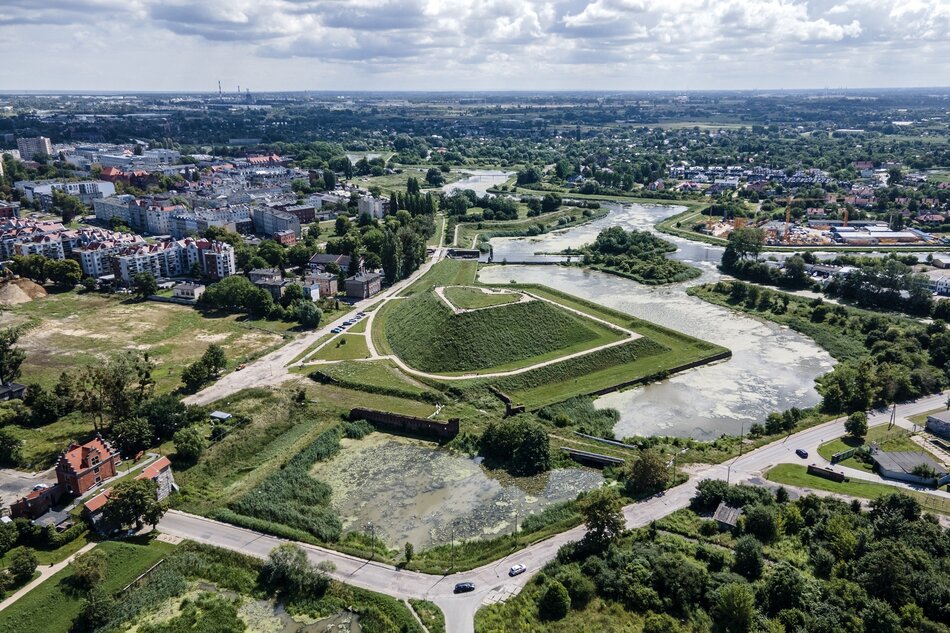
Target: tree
column 435, row 177
column 132, row 435
column 97, row 609
column 166, row 414
column 785, row 588
column 10, row 448
column 602, row 510
column 555, row 602
column 329, row 180
column 11, row 356
column 288, row 571
column 64, row 272
column 857, row 425
column 748, row 557
column 134, row 502
column 309, row 315
column 649, row 473
column 733, row 608
column 409, row 552
column 760, row 521
column 520, row 443
column 144, row 284
column 89, row 569
column 215, row 359
column 117, row 387
column 22, row 565
column 189, row 444
column 194, row 376
column 747, row 242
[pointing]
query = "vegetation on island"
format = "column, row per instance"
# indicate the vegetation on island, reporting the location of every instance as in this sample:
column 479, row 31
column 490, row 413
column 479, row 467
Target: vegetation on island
column 639, row 255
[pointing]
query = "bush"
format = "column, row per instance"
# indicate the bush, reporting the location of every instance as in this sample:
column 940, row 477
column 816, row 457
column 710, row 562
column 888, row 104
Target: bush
column 22, row 565
column 554, row 603
column 521, row 444
column 749, row 561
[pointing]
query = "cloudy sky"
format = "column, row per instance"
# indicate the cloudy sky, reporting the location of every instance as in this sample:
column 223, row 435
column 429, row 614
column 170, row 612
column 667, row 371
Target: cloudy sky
column 472, row 44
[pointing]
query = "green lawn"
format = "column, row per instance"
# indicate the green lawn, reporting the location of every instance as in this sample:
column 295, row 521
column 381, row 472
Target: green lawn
column 343, row 347
column 796, row 475
column 896, row 439
column 429, row 337
column 382, row 376
column 448, row 272
column 56, row 604
column 358, row 328
column 50, row 556
column 473, row 298
column 561, row 219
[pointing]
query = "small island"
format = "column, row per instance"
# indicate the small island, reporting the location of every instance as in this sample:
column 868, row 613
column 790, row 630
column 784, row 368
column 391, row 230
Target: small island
column 637, row 255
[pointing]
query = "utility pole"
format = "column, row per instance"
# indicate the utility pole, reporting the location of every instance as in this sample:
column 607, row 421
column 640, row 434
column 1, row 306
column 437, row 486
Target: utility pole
column 453, row 546
column 372, row 538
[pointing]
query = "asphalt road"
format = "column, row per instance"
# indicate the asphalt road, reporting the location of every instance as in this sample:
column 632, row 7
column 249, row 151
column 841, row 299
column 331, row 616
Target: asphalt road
column 492, row 581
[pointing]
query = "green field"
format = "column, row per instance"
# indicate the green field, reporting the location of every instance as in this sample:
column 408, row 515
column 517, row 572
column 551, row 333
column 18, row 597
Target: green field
column 380, row 376
column 896, row 439
column 57, row 604
column 561, row 219
column 796, row 475
column 343, row 347
column 448, row 272
column 428, row 336
column 473, row 298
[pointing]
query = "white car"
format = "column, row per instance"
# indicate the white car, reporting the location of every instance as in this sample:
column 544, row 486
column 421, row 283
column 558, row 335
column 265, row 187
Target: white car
column 517, row 569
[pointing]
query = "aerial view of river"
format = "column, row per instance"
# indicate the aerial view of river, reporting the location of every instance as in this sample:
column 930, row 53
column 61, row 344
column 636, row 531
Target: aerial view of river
column 772, row 367
column 478, row 180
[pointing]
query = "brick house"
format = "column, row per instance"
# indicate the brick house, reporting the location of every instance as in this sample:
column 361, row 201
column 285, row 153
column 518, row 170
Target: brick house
column 83, row 467
column 159, row 471
column 363, row 285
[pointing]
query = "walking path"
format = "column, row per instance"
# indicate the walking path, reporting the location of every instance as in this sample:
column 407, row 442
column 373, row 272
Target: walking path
column 45, row 573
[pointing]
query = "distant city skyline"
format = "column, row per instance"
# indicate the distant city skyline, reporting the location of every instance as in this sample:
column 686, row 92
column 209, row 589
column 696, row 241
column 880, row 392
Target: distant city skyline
column 472, row 45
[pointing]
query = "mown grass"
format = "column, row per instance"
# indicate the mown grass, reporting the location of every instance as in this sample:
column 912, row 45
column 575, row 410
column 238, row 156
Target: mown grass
column 424, row 333
column 382, row 377
column 473, row 298
column 52, row 606
column 796, row 475
column 343, row 347
column 448, row 272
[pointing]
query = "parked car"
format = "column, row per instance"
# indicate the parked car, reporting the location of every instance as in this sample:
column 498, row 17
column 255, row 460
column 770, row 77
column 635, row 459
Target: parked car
column 336, row 330
column 464, row 587
column 801, row 452
column 240, row 367
column 517, row 569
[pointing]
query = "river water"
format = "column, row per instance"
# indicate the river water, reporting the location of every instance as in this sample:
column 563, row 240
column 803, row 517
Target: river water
column 772, row 367
column 478, row 180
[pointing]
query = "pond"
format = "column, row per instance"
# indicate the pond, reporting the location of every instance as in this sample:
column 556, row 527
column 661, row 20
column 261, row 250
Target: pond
column 412, row 491
column 478, row 180
column 772, row 367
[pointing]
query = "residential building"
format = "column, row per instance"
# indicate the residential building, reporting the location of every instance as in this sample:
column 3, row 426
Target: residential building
column 326, row 282
column 287, row 237
column 83, row 467
column 270, row 221
column 42, row 190
column 172, row 258
column 115, row 207
column 8, row 208
column 188, row 291
column 375, row 207
column 363, row 285
column 939, row 424
column 727, row 516
column 159, row 471
column 319, row 261
column 31, row 147
column 265, row 274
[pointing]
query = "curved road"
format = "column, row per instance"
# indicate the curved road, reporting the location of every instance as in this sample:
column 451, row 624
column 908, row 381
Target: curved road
column 491, row 581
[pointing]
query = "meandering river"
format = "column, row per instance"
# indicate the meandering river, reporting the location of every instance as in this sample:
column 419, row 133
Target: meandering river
column 772, row 367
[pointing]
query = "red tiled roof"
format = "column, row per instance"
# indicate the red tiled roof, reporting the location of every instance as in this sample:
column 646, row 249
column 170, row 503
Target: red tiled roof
column 74, row 456
column 152, row 470
column 98, row 501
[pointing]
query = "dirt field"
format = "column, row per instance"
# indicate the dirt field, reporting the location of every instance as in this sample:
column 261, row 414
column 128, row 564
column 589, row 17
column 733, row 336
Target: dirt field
column 67, row 330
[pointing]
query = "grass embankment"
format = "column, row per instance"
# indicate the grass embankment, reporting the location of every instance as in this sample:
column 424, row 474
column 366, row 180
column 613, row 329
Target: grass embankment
column 467, row 298
column 448, row 272
column 343, row 347
column 424, row 333
column 53, row 605
column 381, row 377
column 659, row 352
column 796, row 475
column 68, row 330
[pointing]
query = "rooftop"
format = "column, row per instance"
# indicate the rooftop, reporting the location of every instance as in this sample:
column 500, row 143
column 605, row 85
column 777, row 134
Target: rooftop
column 906, row 461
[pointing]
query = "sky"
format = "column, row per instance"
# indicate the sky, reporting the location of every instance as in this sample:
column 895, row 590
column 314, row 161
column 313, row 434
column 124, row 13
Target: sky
column 268, row 45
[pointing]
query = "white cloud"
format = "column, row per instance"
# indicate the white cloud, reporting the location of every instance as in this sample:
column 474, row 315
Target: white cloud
column 446, row 44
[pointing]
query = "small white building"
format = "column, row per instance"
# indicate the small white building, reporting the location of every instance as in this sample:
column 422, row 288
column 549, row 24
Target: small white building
column 188, row 291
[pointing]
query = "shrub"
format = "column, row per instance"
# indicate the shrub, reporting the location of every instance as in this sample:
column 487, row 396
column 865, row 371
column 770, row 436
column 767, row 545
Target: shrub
column 554, row 603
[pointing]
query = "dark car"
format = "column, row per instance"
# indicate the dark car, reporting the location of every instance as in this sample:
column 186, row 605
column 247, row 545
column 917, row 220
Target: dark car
column 464, row 587
column 801, row 452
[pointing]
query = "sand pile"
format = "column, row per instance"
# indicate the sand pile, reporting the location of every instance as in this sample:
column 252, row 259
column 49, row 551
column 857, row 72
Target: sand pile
column 20, row 291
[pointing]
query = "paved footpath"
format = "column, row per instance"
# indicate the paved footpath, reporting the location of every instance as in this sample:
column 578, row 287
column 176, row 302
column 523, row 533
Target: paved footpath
column 45, row 572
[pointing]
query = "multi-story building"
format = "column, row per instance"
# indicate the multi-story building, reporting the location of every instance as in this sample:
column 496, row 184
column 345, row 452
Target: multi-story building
column 83, row 467
column 363, row 285
column 115, row 207
column 149, row 160
column 42, row 190
column 270, row 221
column 35, row 146
column 8, row 209
column 375, row 207
column 172, row 258
column 326, row 282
